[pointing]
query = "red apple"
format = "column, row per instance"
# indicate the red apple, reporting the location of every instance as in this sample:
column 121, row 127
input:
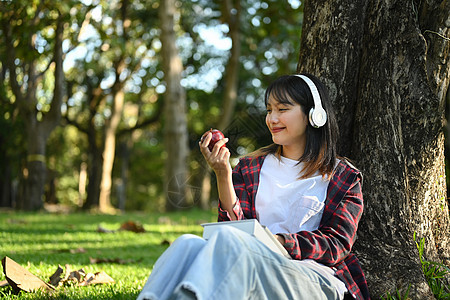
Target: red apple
column 217, row 135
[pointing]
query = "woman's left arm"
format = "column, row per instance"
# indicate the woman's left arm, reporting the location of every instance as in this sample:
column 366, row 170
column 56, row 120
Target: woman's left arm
column 333, row 240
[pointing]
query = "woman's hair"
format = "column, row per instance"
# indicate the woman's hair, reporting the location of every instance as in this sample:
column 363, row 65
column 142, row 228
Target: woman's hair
column 320, row 150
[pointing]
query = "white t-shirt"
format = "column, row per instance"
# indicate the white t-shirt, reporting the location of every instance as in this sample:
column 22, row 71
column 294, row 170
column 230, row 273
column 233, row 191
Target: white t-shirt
column 286, row 204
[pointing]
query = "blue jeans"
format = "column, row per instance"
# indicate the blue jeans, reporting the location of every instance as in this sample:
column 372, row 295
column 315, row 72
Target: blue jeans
column 231, row 265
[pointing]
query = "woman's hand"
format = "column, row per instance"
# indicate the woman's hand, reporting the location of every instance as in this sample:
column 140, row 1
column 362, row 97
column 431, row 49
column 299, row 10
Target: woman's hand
column 219, row 158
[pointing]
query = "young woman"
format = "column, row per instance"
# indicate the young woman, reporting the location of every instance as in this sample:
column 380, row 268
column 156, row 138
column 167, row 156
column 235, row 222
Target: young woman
column 297, row 187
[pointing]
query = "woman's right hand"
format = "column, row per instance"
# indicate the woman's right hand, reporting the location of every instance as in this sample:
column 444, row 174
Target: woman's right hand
column 219, row 158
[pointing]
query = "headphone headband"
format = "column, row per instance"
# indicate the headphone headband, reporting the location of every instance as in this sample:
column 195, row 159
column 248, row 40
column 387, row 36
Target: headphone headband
column 317, row 115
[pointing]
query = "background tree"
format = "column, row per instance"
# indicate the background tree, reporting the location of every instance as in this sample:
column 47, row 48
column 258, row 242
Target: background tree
column 11, row 147
column 388, row 82
column 33, row 36
column 231, row 16
column 260, row 45
column 117, row 106
column 111, row 77
column 175, row 123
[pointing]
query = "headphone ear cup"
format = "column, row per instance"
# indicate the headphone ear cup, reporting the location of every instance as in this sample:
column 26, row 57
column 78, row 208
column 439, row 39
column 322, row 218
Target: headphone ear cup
column 317, row 117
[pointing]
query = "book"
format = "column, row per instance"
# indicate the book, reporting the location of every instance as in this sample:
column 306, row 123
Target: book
column 252, row 227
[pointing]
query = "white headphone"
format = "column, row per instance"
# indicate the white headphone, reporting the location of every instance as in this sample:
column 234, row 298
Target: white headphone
column 317, row 115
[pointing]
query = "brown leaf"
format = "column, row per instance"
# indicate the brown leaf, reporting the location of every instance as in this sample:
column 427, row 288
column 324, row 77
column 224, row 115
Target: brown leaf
column 76, row 276
column 55, row 279
column 4, row 283
column 97, row 278
column 77, row 250
column 20, row 278
column 72, row 251
column 120, row 261
column 132, row 226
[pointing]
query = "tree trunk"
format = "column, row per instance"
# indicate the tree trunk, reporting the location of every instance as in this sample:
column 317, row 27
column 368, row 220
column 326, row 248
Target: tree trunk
column 232, row 13
column 35, row 171
column 109, row 151
column 112, row 124
column 5, row 182
column 82, row 183
column 175, row 123
column 388, row 84
column 95, row 162
column 38, row 125
column 124, row 152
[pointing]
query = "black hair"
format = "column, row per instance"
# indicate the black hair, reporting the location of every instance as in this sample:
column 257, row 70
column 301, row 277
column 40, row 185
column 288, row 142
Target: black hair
column 320, row 149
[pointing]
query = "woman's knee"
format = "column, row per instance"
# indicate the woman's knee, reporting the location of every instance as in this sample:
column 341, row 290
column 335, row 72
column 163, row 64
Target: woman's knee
column 231, row 235
column 189, row 241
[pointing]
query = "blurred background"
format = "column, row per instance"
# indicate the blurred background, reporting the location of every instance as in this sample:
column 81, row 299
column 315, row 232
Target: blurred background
column 103, row 102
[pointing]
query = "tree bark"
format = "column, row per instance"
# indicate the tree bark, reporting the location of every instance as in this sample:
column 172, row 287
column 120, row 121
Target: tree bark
column 175, row 123
column 95, row 162
column 124, row 153
column 109, row 151
column 5, row 182
column 388, row 81
column 38, row 125
column 113, row 122
column 232, row 13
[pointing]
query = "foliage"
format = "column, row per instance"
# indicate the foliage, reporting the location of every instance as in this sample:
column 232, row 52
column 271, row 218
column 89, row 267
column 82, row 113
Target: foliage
column 398, row 296
column 146, row 165
column 12, row 149
column 95, row 41
column 435, row 273
column 39, row 242
column 65, row 153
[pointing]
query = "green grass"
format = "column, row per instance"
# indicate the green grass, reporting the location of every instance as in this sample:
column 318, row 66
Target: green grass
column 435, row 272
column 40, row 242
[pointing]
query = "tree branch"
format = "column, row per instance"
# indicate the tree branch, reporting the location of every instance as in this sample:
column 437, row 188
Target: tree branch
column 153, row 119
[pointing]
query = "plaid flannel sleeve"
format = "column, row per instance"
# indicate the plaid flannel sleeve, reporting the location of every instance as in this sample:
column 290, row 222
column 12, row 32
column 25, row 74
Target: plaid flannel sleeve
column 245, row 189
column 332, row 241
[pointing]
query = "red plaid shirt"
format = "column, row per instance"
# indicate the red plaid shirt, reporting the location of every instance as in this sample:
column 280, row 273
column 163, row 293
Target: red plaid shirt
column 331, row 243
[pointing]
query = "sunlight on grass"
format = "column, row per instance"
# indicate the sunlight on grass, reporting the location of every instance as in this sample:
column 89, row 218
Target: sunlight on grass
column 40, row 242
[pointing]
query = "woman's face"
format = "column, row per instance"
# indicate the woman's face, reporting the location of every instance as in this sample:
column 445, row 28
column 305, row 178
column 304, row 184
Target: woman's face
column 287, row 123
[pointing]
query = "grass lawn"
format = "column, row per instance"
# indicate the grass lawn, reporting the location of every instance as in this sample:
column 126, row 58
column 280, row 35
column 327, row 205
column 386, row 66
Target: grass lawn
column 40, row 242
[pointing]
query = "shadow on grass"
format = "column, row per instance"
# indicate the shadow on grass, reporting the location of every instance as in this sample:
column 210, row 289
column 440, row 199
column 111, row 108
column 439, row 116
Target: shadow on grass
column 73, row 293
column 40, row 242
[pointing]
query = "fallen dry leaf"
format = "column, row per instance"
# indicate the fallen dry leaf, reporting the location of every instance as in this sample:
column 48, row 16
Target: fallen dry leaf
column 78, row 277
column 20, row 278
column 99, row 277
column 74, row 276
column 56, row 277
column 77, row 250
column 132, row 226
column 69, row 277
column 120, row 261
column 4, row 283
